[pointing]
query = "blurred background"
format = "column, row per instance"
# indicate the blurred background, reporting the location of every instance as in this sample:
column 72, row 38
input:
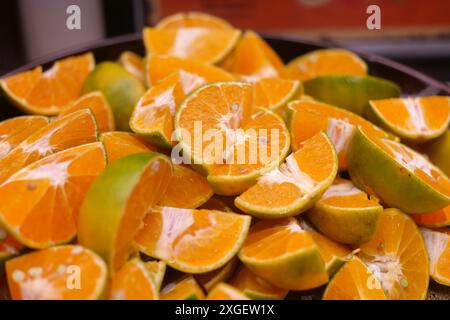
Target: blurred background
column 414, row 32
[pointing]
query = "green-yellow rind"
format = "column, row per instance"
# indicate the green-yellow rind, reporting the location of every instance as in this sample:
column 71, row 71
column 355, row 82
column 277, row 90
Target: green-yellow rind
column 372, row 168
column 350, row 92
column 438, row 150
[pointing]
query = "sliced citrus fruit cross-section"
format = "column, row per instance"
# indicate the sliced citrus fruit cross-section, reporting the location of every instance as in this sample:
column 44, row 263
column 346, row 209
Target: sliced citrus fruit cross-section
column 282, row 253
column 119, row 144
column 224, row 291
column 185, row 289
column 193, row 19
column 294, row 186
column 413, row 119
column 13, row 131
column 41, row 202
column 118, row 200
column 209, row 45
column 51, row 91
column 434, row 219
column 326, row 62
column 192, row 241
column 354, row 281
column 133, row 282
column 153, row 115
column 74, row 129
column 408, row 181
column 134, row 64
column 8, row 245
column 397, row 256
column 68, row 272
column 346, row 214
column 438, row 247
column 157, row 270
column 274, row 93
column 218, row 131
column 99, row 106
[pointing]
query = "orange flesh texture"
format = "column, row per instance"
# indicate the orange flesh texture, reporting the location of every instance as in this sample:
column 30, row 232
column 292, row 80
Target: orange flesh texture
column 270, row 239
column 156, row 109
column 223, row 291
column 74, row 129
column 52, row 91
column 195, row 43
column 184, row 289
column 193, row 19
column 325, row 62
column 52, row 273
column 8, row 245
column 134, row 64
column 160, row 66
column 328, row 248
column 440, row 260
column 414, row 163
column 190, row 237
column 100, row 108
column 415, row 114
column 343, row 194
column 14, row 131
column 187, row 189
column 253, row 58
column 133, row 282
column 271, row 91
column 397, row 250
column 42, row 201
column 354, row 281
column 146, row 193
column 120, row 144
column 438, row 218
column 312, row 164
column 247, row 280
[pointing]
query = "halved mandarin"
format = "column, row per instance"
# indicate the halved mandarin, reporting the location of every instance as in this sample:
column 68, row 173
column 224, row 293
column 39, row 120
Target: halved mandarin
column 51, row 91
column 397, row 256
column 354, row 281
column 68, row 272
column 160, row 66
column 133, row 282
column 254, row 59
column 295, row 185
column 192, row 241
column 74, row 129
column 192, row 19
column 41, row 202
column 13, row 131
column 284, row 254
column 157, row 270
column 345, row 213
column 408, row 181
column 255, row 287
column 209, row 45
column 134, row 64
column 307, row 118
column 326, row 62
column 223, row 291
column 413, row 119
column 113, row 209
column 209, row 280
column 438, row 247
column 274, row 93
column 8, row 245
column 185, row 289
column 119, row 144
column 434, row 219
column 187, row 189
column 96, row 102
column 218, row 130
column 153, row 115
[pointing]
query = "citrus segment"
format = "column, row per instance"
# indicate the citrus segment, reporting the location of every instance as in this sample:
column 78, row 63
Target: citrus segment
column 282, row 253
column 354, row 281
column 119, row 144
column 209, row 45
column 274, row 93
column 434, row 219
column 99, row 106
column 408, row 181
column 118, row 200
column 326, row 62
column 41, row 202
column 14, row 131
column 397, row 256
column 209, row 280
column 134, row 64
column 68, row 272
column 71, row 130
column 186, row 289
column 133, row 282
column 438, row 247
column 8, row 245
column 293, row 187
column 192, row 241
column 192, row 19
column 52, row 91
column 224, row 291
column 346, row 214
column 157, row 270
